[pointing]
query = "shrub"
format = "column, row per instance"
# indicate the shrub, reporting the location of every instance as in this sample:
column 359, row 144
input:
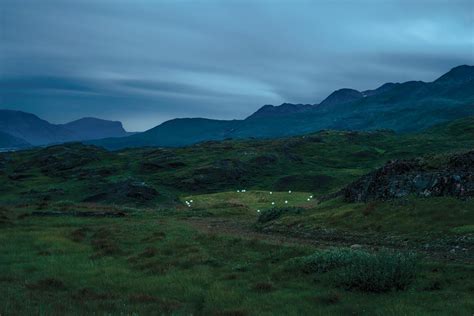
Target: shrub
column 325, row 261
column 275, row 213
column 355, row 269
column 379, row 272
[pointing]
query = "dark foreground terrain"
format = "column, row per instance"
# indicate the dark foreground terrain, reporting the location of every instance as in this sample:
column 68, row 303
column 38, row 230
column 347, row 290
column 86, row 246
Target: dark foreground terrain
column 338, row 223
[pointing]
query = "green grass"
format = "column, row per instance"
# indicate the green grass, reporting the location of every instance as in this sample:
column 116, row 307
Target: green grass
column 157, row 264
column 377, row 272
column 247, row 204
column 167, row 258
column 319, row 163
column 411, row 217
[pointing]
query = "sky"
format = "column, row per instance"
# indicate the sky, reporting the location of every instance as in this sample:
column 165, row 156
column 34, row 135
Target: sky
column 144, row 62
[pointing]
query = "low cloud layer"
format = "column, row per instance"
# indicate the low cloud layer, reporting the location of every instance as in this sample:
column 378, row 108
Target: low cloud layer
column 143, row 62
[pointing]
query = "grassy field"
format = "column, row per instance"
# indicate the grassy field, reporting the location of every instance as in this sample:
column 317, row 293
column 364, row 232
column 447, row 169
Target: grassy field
column 147, row 263
column 165, row 231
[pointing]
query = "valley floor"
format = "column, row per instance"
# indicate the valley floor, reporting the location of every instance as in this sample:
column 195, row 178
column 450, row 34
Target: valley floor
column 217, row 258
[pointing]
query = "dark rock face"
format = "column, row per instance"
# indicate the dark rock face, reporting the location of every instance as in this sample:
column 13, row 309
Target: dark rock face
column 454, row 177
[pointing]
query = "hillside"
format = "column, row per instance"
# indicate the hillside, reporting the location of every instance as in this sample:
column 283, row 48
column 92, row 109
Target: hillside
column 93, row 128
column 9, row 141
column 37, row 131
column 244, row 217
column 31, row 128
column 402, row 107
column 321, row 162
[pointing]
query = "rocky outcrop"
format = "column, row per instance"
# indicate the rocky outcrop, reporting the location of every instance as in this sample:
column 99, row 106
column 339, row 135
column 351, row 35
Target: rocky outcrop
column 452, row 176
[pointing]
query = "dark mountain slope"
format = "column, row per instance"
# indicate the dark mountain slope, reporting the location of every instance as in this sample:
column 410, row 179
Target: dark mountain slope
column 383, row 88
column 282, row 110
column 36, row 131
column 341, row 96
column 9, row 141
column 93, row 128
column 460, row 74
column 337, row 97
column 403, row 107
column 173, row 133
column 32, row 129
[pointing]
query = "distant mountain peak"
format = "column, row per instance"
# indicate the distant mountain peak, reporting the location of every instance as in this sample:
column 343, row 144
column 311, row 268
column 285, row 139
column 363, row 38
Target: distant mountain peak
column 383, row 88
column 94, row 128
column 458, row 74
column 269, row 110
column 92, row 119
column 341, row 96
column 36, row 131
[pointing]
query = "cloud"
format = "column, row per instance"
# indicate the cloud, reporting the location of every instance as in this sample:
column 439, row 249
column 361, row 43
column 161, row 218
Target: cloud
column 142, row 62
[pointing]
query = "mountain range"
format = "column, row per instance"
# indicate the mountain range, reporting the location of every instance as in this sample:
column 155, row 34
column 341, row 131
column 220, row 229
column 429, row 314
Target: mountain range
column 20, row 129
column 401, row 107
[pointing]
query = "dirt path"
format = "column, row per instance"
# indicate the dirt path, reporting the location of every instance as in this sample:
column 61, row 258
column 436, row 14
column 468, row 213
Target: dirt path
column 244, row 229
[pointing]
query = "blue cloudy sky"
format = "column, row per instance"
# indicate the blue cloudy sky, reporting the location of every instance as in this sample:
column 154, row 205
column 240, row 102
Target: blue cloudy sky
column 143, row 62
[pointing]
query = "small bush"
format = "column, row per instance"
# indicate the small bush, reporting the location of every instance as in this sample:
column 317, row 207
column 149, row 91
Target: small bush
column 356, row 269
column 325, row 261
column 275, row 213
column 379, row 272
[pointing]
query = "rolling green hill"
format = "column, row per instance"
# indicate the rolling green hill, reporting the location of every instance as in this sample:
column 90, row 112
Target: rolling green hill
column 321, row 162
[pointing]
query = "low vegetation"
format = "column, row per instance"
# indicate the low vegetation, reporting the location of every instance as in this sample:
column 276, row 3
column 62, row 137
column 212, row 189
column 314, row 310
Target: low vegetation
column 377, row 272
column 232, row 228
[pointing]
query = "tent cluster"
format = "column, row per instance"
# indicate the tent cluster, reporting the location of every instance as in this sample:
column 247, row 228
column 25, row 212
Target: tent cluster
column 189, row 203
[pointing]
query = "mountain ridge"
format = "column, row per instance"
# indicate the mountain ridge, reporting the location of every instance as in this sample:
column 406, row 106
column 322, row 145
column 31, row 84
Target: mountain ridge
column 402, row 107
column 36, row 131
